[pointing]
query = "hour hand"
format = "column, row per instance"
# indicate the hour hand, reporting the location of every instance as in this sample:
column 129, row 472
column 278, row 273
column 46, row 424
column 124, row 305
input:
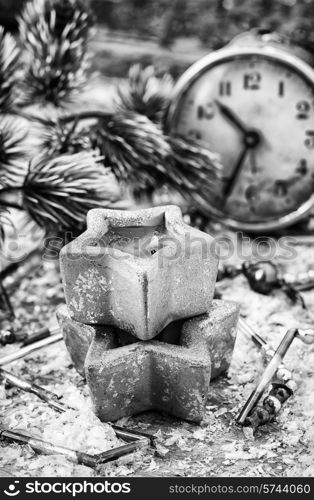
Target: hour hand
column 231, row 116
column 231, row 181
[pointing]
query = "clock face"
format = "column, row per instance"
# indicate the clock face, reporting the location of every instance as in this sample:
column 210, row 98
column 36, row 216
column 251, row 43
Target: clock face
column 257, row 113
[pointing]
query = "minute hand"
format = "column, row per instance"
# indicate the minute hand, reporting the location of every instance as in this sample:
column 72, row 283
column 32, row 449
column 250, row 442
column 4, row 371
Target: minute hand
column 232, row 117
column 235, row 174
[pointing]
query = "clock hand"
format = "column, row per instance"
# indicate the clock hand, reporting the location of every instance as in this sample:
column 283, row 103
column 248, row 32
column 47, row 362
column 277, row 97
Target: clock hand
column 254, row 168
column 252, row 136
column 235, row 174
column 251, row 139
column 232, row 117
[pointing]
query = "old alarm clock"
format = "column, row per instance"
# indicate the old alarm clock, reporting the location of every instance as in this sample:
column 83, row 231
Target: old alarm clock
column 252, row 102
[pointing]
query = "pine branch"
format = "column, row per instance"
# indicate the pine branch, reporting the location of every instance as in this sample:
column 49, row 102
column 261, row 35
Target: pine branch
column 134, row 148
column 70, row 19
column 140, row 154
column 63, row 119
column 194, row 171
column 9, row 62
column 55, row 36
column 58, row 192
column 61, row 138
column 145, row 93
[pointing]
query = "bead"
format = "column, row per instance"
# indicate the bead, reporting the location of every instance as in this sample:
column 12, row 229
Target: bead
column 292, row 386
column 262, row 276
column 262, row 415
column 302, row 277
column 269, row 351
column 273, row 403
column 289, row 278
column 281, row 393
column 7, row 337
column 283, row 374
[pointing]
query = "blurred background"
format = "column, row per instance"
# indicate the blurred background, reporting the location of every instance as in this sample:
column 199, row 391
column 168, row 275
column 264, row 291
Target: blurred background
column 172, row 35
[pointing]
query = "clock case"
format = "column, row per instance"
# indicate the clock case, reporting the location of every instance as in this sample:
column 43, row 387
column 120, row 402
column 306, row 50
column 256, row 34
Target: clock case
column 277, row 48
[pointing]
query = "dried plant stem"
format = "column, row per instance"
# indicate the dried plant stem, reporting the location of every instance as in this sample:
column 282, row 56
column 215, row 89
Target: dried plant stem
column 86, row 115
column 24, row 351
column 47, row 448
column 82, row 115
column 6, row 301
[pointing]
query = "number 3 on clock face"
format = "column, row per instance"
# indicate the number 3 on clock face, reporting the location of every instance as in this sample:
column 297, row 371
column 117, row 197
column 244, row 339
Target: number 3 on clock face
column 258, row 103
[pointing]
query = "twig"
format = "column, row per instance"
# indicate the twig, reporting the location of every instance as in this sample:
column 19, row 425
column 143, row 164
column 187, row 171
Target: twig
column 47, row 448
column 86, row 115
column 43, row 333
column 109, row 455
column 52, row 399
column 6, row 300
column 136, row 440
column 259, row 341
column 14, row 267
column 82, row 115
column 44, row 394
column 24, row 351
column 79, row 457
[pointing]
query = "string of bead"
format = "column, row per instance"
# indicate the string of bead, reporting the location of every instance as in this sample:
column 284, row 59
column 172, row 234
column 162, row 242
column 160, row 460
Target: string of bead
column 279, row 391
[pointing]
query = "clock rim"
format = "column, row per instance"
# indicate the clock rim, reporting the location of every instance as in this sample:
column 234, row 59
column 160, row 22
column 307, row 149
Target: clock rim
column 218, row 57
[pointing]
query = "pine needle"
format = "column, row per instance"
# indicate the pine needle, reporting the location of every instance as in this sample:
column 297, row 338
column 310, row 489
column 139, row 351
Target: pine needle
column 9, row 62
column 141, row 155
column 73, row 18
column 4, row 212
column 55, row 36
column 134, row 148
column 145, row 93
column 58, row 192
column 12, row 149
column 61, row 138
column 195, row 171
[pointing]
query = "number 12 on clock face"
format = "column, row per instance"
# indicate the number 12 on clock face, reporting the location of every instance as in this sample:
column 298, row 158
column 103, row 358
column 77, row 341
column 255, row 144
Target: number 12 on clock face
column 257, row 113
